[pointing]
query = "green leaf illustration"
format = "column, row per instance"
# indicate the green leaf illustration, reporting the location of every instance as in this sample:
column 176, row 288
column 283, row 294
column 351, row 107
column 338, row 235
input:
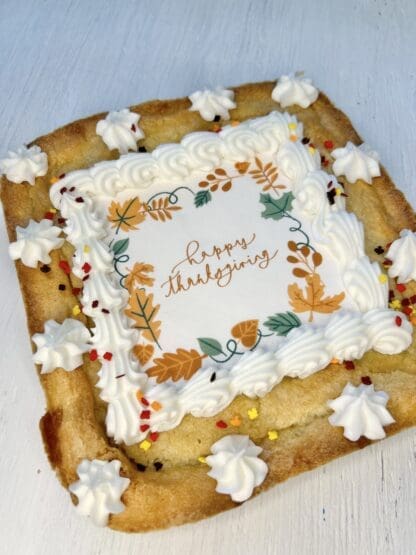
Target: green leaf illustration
column 201, row 198
column 209, row 346
column 120, row 246
column 276, row 208
column 282, row 322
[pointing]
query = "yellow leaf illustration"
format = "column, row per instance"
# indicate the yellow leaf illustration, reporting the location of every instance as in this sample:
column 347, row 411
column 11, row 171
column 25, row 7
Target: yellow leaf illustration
column 312, row 299
column 175, row 366
column 139, row 275
column 127, row 215
column 143, row 312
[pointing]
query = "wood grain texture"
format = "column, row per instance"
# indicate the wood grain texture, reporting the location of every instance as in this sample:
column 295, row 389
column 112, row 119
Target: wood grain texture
column 64, row 60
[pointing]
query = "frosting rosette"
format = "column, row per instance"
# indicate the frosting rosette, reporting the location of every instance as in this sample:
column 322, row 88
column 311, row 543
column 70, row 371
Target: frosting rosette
column 236, row 466
column 99, row 489
column 356, row 162
column 34, row 242
column 24, row 164
column 120, row 130
column 361, row 411
column 211, row 103
column 294, row 89
column 402, row 253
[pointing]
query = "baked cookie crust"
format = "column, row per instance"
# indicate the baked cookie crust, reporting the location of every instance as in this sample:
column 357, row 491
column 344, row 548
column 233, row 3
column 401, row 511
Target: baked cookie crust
column 73, row 426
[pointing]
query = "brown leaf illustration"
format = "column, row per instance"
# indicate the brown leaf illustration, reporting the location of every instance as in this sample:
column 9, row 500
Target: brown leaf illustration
column 246, row 331
column 143, row 353
column 138, row 275
column 160, row 209
column 174, row 366
column 312, row 299
column 142, row 311
column 241, row 167
column 265, row 175
column 127, row 215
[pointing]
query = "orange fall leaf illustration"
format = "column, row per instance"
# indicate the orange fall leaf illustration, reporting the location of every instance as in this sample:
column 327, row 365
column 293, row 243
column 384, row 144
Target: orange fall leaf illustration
column 143, row 353
column 127, row 215
column 175, row 366
column 246, row 332
column 143, row 312
column 312, row 299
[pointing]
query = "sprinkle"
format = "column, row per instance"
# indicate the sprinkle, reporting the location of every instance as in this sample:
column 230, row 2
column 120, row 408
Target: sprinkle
column 48, row 216
column 413, row 299
column 312, row 149
column 221, row 424
column 105, row 311
column 141, row 467
column 382, row 278
column 53, row 180
column 158, row 465
column 349, row 365
column 366, row 380
column 45, row 269
column 79, row 199
column 144, row 427
column 107, row 356
column 202, row 460
column 235, row 421
column 379, row 250
column 142, row 149
column 408, row 310
column 154, row 436
column 120, row 376
column 94, row 304
column 387, row 262
column 305, row 140
column 396, row 304
column 72, row 189
column 293, row 138
column 216, row 128
column 93, row 355
column 76, row 310
column 145, row 445
column 86, row 267
column 144, row 401
column 335, row 361
column 401, row 287
column 63, row 190
column 253, row 413
column 133, row 127
column 272, row 434
column 292, row 126
column 398, row 321
column 62, row 176
column 405, row 302
column 63, row 264
column 213, row 377
column 338, row 191
column 145, row 414
column 329, row 145
column 62, row 287
column 156, row 405
column 217, row 119
column 76, row 291
column 331, row 195
column 86, row 248
column 86, row 277
column 139, row 395
column 234, row 123
column 391, row 294
column 61, row 221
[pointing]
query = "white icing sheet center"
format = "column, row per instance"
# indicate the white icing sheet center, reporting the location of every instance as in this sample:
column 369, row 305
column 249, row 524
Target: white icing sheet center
column 242, row 218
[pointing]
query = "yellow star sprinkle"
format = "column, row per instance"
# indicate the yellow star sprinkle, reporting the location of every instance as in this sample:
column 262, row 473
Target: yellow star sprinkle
column 253, row 413
column 87, row 248
column 292, row 126
column 145, row 445
column 395, row 304
column 76, row 310
column 272, row 434
column 338, row 191
column 382, row 278
column 202, row 460
column 235, row 421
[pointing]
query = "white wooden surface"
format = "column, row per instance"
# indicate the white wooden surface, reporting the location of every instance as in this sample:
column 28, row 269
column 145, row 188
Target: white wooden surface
column 62, row 60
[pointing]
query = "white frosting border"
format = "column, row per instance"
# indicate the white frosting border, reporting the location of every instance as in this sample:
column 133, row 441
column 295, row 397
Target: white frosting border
column 304, row 351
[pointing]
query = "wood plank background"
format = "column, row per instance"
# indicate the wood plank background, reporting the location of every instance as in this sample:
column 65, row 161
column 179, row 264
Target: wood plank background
column 62, row 60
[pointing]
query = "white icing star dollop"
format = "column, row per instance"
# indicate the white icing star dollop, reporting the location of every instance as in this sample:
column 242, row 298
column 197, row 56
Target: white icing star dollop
column 24, row 164
column 61, row 345
column 120, row 130
column 402, row 253
column 211, row 103
column 356, row 162
column 292, row 89
column 99, row 489
column 361, row 411
column 34, row 242
column 236, row 466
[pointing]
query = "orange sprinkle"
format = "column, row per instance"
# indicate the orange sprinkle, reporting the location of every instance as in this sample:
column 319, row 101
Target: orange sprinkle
column 413, row 320
column 139, row 395
column 235, row 421
column 234, row 123
column 54, row 180
column 156, row 405
column 335, row 361
column 216, row 128
column 293, row 138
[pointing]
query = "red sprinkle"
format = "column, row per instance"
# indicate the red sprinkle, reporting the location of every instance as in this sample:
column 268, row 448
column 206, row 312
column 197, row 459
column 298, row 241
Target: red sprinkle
column 133, row 127
column 413, row 299
column 366, row 380
column 79, row 199
column 408, row 310
column 398, row 321
column 86, row 267
column 107, row 356
column 349, row 365
column 93, row 355
column 329, row 145
column 221, row 424
column 401, row 287
column 145, row 414
column 154, row 436
column 63, row 264
column 76, row 291
column 94, row 304
column 144, row 427
column 405, row 302
column 387, row 262
column 144, row 401
column 49, row 216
